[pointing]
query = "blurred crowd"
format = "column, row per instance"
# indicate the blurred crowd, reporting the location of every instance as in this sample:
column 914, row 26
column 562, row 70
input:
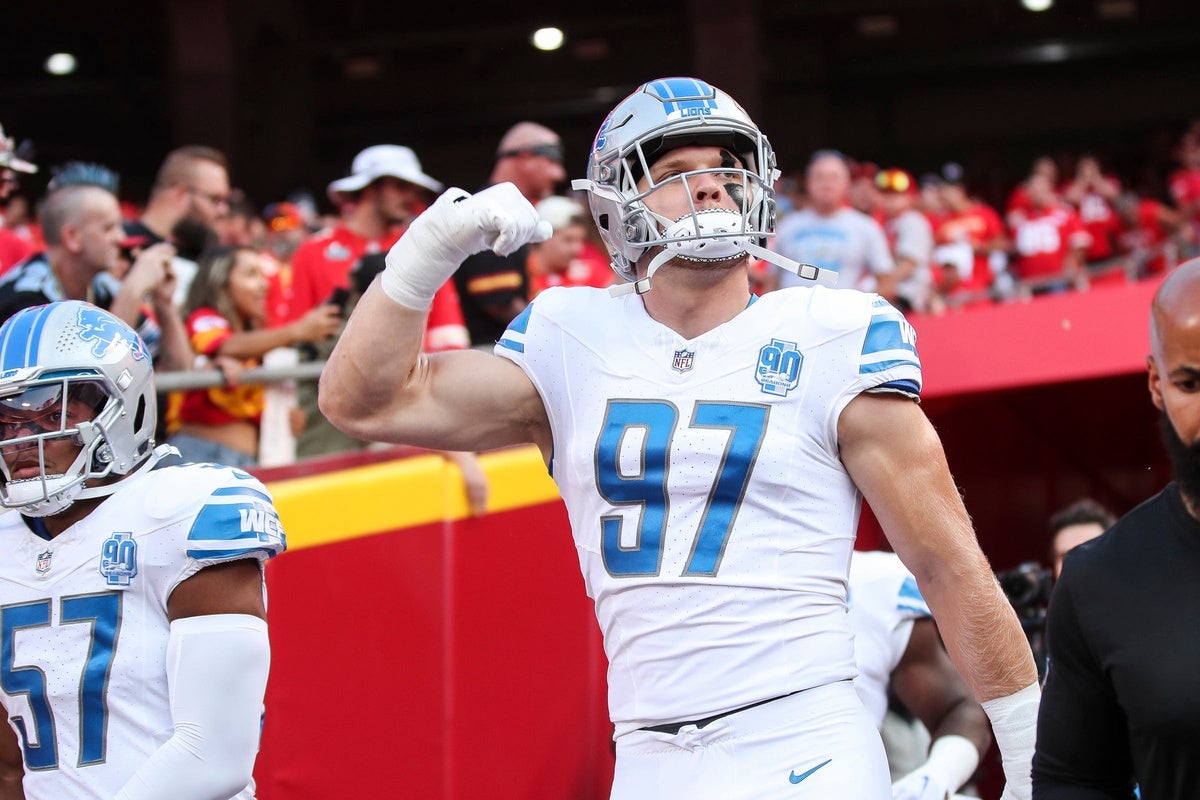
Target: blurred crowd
column 214, row 280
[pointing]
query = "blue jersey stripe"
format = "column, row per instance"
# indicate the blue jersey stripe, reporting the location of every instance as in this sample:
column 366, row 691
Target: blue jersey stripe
column 209, row 555
column 241, row 491
column 520, row 323
column 509, row 344
column 888, row 334
column 884, row 366
column 19, row 348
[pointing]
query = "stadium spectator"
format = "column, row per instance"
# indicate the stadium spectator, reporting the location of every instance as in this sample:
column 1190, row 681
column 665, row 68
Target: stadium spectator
column 1121, row 704
column 19, row 217
column 565, row 259
column 187, row 203
column 494, row 289
column 242, row 227
column 971, row 244
column 864, row 193
column 149, row 584
column 13, row 247
column 1079, row 522
column 81, row 223
column 284, row 231
column 725, row 631
column 1152, row 233
column 829, row 233
column 1092, row 193
column 1018, row 198
column 383, row 192
column 1050, row 241
column 910, row 238
column 226, row 314
column 930, row 202
column 1184, row 185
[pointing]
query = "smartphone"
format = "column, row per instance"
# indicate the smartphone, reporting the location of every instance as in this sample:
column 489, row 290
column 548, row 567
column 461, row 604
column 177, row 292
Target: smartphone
column 340, row 298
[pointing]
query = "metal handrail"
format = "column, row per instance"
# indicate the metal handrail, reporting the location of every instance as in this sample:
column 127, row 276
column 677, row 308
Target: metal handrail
column 179, row 380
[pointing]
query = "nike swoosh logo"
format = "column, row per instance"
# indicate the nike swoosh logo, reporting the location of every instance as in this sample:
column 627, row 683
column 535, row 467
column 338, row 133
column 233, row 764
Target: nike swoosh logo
column 794, row 778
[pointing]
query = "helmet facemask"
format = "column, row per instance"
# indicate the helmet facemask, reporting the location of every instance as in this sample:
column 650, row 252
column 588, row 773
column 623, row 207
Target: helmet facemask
column 660, row 116
column 43, row 414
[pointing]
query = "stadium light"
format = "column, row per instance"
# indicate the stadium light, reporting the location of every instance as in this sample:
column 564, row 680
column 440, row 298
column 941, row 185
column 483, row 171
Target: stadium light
column 61, row 64
column 547, row 38
column 1037, row 5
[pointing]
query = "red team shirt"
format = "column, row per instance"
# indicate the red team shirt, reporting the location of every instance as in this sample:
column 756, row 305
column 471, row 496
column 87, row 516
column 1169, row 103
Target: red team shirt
column 217, row 405
column 1043, row 238
column 590, row 269
column 978, row 224
column 323, row 263
column 1100, row 219
column 1185, row 189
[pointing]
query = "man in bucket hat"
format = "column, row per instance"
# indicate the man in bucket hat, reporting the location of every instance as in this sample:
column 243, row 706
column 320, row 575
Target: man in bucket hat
column 385, row 189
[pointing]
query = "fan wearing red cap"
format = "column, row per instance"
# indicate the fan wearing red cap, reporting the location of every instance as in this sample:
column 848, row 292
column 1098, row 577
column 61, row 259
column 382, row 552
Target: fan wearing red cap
column 910, row 237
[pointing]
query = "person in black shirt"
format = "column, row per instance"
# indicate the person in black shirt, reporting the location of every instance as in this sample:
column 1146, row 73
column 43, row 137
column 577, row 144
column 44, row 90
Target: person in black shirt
column 1120, row 709
column 493, row 289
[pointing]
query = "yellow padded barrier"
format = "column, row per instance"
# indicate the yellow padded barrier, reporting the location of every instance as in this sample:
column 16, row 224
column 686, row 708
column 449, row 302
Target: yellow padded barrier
column 419, row 490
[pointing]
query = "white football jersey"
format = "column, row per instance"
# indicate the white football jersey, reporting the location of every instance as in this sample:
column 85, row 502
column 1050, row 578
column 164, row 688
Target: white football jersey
column 884, row 601
column 83, row 620
column 711, row 514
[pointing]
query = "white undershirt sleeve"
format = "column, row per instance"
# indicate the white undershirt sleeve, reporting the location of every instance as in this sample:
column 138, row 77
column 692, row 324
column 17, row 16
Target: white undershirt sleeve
column 217, row 668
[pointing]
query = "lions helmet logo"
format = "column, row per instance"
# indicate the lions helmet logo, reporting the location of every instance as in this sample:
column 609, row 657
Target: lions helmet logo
column 105, row 333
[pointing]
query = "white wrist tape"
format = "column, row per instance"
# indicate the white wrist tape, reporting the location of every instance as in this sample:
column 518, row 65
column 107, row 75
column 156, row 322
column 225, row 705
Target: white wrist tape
column 953, row 759
column 1014, row 723
column 457, row 225
column 217, row 669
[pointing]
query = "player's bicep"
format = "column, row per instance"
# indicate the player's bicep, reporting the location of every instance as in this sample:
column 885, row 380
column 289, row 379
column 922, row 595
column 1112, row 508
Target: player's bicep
column 894, row 456
column 470, row 400
column 233, row 587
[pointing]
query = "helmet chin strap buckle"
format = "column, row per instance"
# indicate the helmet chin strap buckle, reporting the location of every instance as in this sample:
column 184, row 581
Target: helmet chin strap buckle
column 809, row 272
column 642, row 285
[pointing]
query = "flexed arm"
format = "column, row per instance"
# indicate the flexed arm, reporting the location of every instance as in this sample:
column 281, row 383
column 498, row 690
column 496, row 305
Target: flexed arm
column 379, row 386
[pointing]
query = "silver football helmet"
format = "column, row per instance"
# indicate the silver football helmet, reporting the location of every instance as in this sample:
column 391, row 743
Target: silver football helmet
column 661, row 115
column 70, row 370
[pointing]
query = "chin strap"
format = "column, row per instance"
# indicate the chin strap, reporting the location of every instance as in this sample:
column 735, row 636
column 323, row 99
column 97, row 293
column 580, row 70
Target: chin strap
column 809, row 272
column 158, row 454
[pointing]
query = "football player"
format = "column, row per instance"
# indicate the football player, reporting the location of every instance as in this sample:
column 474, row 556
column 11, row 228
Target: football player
column 712, row 449
column 133, row 635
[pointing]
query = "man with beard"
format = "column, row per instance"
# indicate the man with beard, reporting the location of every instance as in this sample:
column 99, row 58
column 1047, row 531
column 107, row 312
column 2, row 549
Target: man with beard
column 190, row 197
column 1120, row 710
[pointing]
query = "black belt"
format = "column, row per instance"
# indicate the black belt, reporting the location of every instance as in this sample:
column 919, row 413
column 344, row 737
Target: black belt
column 674, row 727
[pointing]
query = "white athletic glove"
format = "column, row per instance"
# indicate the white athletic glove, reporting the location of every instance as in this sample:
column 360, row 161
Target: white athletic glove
column 1014, row 723
column 952, row 760
column 458, row 225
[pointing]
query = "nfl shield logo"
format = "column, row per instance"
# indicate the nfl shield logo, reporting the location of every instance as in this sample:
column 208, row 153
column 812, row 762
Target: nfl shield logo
column 683, row 360
column 42, row 565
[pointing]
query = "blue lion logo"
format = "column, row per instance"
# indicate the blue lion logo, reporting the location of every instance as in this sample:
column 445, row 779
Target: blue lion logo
column 104, row 331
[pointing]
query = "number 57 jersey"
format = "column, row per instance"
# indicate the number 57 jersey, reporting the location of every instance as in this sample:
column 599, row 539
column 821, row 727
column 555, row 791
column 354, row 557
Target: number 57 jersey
column 712, row 516
column 83, row 620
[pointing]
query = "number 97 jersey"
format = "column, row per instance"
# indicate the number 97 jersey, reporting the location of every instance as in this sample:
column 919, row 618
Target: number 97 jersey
column 83, row 620
column 712, row 516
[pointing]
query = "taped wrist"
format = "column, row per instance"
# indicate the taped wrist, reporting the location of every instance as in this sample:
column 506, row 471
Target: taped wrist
column 429, row 252
column 952, row 759
column 1014, row 724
